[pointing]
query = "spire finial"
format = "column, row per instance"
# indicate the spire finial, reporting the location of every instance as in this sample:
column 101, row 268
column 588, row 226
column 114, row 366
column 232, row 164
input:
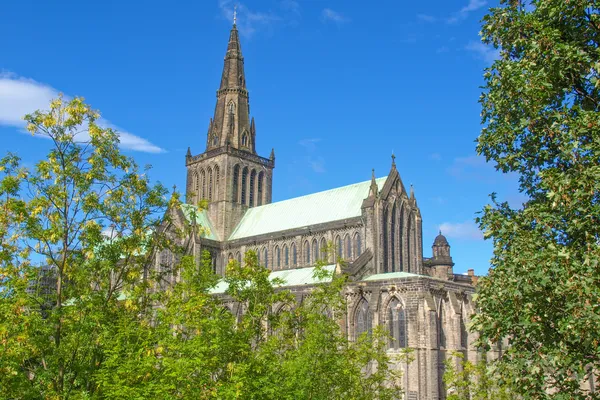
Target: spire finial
column 234, row 14
column 393, row 159
column 174, row 188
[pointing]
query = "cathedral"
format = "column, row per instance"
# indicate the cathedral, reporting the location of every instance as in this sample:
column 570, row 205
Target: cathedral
column 375, row 226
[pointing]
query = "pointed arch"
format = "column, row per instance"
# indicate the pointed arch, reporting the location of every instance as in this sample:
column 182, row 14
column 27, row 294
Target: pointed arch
column 392, row 243
column 384, row 242
column 210, row 184
column 266, row 257
column 238, row 257
column 244, row 185
column 235, row 181
column 196, row 185
column 277, row 262
column 245, row 139
column 339, row 249
column 216, row 193
column 306, row 253
column 203, row 183
column 260, row 188
column 286, row 256
column 401, row 238
column 412, row 244
column 357, row 244
column 323, row 249
column 362, row 319
column 315, row 251
column 251, row 191
column 231, row 107
column 441, row 323
column 294, row 255
column 396, row 323
column 348, row 246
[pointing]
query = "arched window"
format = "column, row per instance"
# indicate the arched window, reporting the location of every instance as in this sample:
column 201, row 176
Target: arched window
column 307, row 253
column 238, row 257
column 215, row 140
column 315, row 250
column 252, row 181
column 393, row 240
column 230, row 256
column 244, row 181
column 203, row 177
column 348, row 247
column 196, row 183
column 357, row 244
column 441, row 326
column 240, row 80
column 396, row 319
column 385, row 240
column 210, row 184
column 266, row 257
column 464, row 334
column 245, row 139
column 236, row 178
column 231, row 107
column 362, row 319
column 259, row 197
column 338, row 247
column 216, row 182
column 286, row 256
column 294, row 255
column 277, row 258
column 323, row 248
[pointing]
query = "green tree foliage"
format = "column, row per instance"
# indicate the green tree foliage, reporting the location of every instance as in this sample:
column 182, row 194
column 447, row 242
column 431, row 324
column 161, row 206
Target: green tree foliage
column 473, row 381
column 99, row 320
column 541, row 121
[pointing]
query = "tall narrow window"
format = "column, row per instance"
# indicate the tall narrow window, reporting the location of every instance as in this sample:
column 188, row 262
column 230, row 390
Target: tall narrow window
column 396, row 324
column 244, row 181
column 259, row 197
column 294, row 255
column 362, row 319
column 323, row 249
column 203, row 177
column 441, row 326
column 385, row 240
column 231, row 107
column 266, row 257
column 245, row 139
column 210, row 184
column 251, row 191
column 348, row 247
column 238, row 257
column 393, row 240
column 358, row 244
column 277, row 258
column 307, row 253
column 401, row 240
column 216, row 182
column 286, row 256
column 315, row 250
column 236, row 178
column 338, row 247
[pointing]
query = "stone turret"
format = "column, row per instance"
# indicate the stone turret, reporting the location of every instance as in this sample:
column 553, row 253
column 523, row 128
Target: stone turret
column 441, row 263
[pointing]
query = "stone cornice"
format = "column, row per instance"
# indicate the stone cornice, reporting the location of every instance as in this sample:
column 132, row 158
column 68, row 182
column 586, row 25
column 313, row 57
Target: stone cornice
column 231, row 151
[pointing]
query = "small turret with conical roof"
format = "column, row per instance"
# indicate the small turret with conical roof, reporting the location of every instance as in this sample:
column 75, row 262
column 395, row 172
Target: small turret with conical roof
column 441, row 263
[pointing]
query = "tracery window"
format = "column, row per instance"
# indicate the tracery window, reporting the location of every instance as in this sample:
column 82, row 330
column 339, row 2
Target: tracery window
column 266, row 257
column 259, row 197
column 362, row 319
column 294, row 255
column 307, row 252
column 358, row 244
column 396, row 324
column 315, row 250
column 339, row 249
column 210, row 184
column 323, row 248
column 216, row 182
column 252, row 180
column 236, row 178
column 203, row 177
column 277, row 258
column 286, row 256
column 238, row 257
column 244, row 180
column 348, row 247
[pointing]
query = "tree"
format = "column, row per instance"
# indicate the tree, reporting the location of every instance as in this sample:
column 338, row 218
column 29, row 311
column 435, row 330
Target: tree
column 541, row 121
column 99, row 320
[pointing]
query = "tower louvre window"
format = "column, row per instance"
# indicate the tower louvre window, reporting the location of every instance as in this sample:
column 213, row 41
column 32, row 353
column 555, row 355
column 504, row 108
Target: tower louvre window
column 236, row 178
column 244, row 182
column 251, row 191
column 210, row 184
column 259, row 199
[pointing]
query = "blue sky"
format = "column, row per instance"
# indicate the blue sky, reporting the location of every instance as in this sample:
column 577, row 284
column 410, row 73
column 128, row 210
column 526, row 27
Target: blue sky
column 335, row 87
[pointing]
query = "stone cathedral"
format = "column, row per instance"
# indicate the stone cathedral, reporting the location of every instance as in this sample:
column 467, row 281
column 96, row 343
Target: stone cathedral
column 375, row 226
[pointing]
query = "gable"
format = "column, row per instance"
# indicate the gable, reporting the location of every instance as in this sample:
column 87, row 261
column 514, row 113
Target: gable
column 313, row 209
column 191, row 212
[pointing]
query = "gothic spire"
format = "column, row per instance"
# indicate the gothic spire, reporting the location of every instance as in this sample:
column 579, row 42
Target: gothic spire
column 373, row 190
column 233, row 70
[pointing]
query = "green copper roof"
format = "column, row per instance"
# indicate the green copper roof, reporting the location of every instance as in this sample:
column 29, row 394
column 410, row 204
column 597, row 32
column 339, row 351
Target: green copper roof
column 391, row 275
column 292, row 277
column 317, row 208
column 202, row 219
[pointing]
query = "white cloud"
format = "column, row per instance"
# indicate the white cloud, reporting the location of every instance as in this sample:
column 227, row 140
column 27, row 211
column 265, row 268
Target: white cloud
column 329, row 15
column 461, row 230
column 472, row 168
column 20, row 96
column 309, row 144
column 316, row 162
column 473, row 5
column 248, row 21
column 483, row 52
column 290, row 5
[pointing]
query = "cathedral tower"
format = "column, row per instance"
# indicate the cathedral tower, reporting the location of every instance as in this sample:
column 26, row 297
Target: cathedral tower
column 229, row 175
